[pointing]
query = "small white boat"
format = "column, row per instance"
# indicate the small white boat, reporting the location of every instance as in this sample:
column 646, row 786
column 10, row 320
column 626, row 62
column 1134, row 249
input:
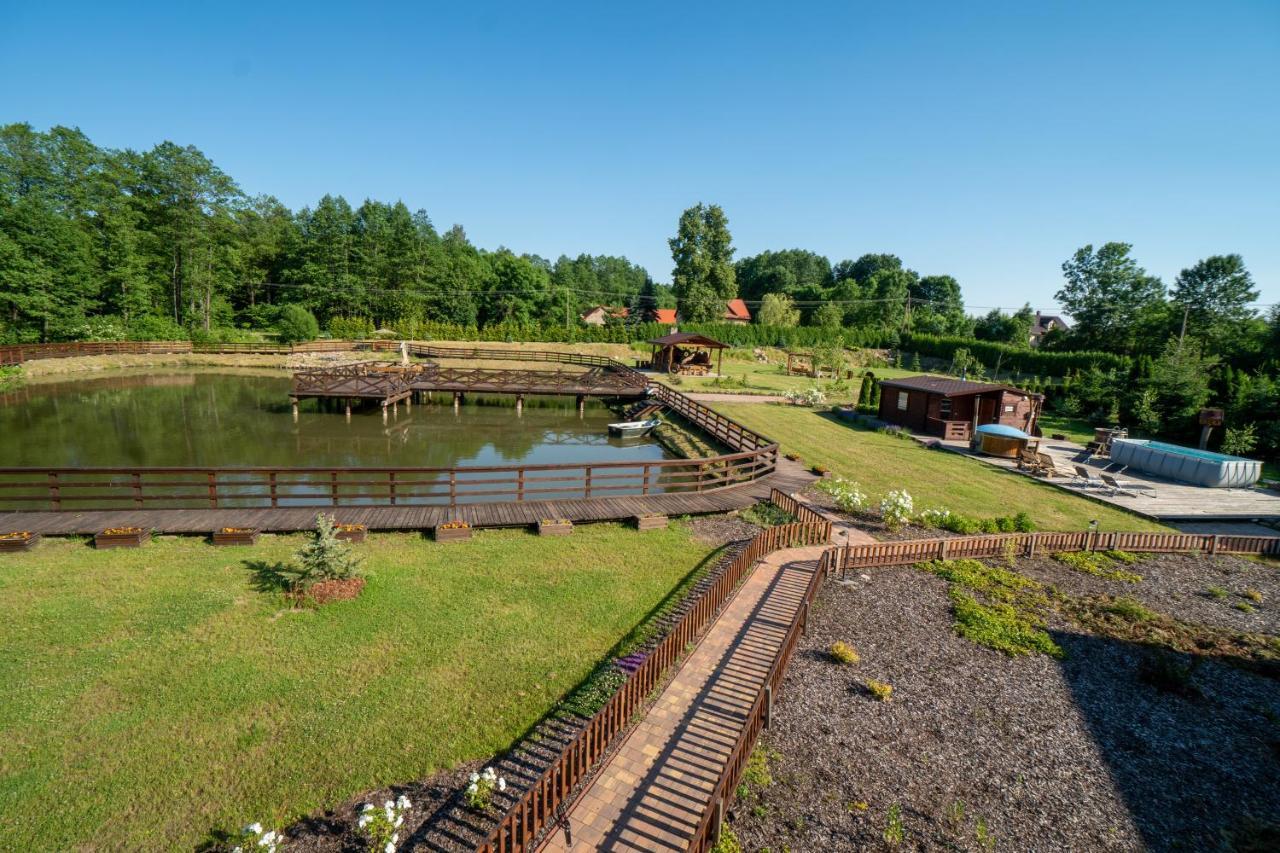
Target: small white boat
column 626, row 428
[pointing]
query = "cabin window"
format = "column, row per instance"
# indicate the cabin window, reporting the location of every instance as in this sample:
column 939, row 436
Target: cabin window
column 902, row 401
column 944, row 408
column 1008, row 410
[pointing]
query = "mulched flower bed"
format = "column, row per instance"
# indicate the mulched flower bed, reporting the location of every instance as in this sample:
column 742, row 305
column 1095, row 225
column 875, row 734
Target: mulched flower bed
column 323, row 592
column 1085, row 753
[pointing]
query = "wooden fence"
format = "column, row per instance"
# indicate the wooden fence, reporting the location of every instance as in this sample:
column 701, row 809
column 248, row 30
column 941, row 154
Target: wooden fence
column 19, row 353
column 1030, row 544
column 539, row 805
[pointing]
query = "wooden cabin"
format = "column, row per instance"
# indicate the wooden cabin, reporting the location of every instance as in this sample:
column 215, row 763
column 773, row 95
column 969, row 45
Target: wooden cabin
column 686, row 353
column 953, row 408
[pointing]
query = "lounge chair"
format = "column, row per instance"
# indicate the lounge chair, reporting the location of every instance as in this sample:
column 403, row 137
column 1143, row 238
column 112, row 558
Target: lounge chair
column 1118, row 488
column 1086, row 477
column 1047, row 466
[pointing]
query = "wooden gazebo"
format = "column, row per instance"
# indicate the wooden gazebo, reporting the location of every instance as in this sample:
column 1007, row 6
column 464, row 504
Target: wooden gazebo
column 686, row 353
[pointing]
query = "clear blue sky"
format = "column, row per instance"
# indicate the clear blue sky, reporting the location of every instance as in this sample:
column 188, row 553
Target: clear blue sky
column 985, row 140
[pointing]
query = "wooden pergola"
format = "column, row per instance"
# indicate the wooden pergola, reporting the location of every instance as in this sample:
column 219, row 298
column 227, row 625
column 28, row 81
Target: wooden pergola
column 686, row 353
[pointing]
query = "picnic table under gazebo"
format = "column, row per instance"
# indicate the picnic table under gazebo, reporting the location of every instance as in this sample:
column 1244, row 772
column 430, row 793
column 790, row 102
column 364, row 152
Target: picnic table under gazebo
column 686, row 353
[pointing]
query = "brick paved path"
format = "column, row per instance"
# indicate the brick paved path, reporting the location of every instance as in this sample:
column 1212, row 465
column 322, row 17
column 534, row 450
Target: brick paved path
column 651, row 793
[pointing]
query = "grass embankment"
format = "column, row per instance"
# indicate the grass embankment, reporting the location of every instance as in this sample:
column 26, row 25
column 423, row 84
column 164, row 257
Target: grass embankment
column 152, row 695
column 744, row 375
column 881, row 463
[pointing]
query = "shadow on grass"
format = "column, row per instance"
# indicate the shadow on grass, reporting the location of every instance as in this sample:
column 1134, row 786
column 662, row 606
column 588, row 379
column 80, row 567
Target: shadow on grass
column 277, row 577
column 1192, row 742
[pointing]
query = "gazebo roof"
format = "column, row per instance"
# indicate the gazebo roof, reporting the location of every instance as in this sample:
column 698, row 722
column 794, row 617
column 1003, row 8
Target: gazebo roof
column 688, row 339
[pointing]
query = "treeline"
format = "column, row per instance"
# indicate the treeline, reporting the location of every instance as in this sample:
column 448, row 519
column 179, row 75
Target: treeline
column 104, row 244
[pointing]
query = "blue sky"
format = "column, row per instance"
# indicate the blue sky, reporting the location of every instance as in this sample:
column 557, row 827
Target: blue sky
column 985, row 140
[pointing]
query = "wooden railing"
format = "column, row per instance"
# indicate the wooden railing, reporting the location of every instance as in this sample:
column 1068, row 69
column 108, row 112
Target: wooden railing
column 537, row 807
column 707, row 835
column 1029, row 544
column 950, row 430
column 19, row 353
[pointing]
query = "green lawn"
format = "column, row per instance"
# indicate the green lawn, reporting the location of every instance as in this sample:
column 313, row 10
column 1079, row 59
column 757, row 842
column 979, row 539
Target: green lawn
column 153, row 695
column 1075, row 429
column 934, row 478
column 752, row 377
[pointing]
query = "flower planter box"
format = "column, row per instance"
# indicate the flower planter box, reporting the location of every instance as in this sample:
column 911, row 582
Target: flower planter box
column 122, row 538
column 11, row 543
column 236, row 536
column 443, row 533
column 555, row 528
column 351, row 532
column 651, row 522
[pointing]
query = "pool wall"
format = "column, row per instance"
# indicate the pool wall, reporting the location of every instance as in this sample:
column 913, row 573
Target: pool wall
column 1199, row 467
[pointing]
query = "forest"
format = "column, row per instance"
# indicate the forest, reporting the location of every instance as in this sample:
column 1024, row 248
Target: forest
column 103, row 244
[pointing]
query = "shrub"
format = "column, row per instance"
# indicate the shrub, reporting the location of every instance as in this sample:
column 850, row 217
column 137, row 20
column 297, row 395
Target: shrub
column 1253, row 595
column 896, row 509
column 728, row 842
column 351, row 328
column 479, row 793
column 880, row 689
column 297, row 324
column 1098, row 563
column 845, row 493
column 325, row 557
column 893, row 830
column 843, row 653
column 1217, row 592
column 382, row 825
column 1129, row 610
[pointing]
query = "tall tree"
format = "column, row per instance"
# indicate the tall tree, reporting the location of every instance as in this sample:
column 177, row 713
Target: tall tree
column 777, row 309
column 703, row 278
column 1111, row 299
column 1214, row 297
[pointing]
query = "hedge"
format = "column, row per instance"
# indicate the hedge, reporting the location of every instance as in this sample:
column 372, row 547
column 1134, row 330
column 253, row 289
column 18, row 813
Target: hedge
column 1014, row 358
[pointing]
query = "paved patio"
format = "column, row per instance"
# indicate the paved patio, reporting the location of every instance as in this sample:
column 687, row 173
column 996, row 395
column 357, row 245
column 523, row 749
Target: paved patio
column 1153, row 497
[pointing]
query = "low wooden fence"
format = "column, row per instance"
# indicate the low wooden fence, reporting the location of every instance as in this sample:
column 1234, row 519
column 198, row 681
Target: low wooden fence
column 1030, row 544
column 20, row 353
column 540, row 805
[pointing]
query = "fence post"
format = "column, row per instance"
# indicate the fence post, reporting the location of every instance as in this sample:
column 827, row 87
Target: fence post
column 271, row 480
column 768, row 705
column 137, row 489
column 213, row 489
column 942, row 549
column 1031, row 545
column 55, row 491
column 1213, row 544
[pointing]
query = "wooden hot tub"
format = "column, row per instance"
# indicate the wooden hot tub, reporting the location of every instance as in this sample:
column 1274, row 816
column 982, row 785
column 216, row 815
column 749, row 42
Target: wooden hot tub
column 1000, row 440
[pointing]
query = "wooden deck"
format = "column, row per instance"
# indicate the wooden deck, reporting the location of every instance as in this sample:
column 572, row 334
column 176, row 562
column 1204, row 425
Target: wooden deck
column 788, row 478
column 1152, row 497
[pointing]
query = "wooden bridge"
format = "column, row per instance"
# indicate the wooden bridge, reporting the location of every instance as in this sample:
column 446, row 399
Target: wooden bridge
column 389, row 384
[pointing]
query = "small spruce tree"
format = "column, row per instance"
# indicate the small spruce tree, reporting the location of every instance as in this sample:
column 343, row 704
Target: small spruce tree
column 325, row 557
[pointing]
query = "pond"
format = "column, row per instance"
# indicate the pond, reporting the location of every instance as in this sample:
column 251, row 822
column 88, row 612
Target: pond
column 219, row 419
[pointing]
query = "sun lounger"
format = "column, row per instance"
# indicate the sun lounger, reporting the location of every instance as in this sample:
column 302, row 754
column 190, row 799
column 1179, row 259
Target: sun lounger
column 1086, row 478
column 1118, row 488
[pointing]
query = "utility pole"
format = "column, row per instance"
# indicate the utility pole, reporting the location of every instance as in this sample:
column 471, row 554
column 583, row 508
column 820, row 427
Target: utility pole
column 1186, row 311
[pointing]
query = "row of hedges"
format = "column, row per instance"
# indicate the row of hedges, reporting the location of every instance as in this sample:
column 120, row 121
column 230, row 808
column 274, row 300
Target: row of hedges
column 1014, row 358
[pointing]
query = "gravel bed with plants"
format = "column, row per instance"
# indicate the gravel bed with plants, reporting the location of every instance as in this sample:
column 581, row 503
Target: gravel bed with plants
column 910, row 736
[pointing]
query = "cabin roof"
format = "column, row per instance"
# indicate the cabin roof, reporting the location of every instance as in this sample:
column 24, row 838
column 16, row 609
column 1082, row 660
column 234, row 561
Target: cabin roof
column 949, row 387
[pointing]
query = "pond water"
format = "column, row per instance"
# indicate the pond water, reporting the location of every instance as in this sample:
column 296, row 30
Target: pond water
column 220, row 419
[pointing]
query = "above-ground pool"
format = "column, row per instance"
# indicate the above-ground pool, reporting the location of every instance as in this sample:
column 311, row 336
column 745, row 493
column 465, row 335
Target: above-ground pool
column 1201, row 467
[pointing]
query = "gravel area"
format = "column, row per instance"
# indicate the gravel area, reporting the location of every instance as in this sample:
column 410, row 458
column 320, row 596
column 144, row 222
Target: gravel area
column 1078, row 754
column 1180, row 585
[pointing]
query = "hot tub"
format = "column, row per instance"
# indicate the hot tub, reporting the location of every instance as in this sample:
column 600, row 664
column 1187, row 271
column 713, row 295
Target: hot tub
column 1199, row 467
column 1000, row 440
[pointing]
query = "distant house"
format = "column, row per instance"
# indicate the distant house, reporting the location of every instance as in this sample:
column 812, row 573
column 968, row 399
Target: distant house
column 1046, row 323
column 600, row 314
column 735, row 311
column 665, row 316
column 953, row 408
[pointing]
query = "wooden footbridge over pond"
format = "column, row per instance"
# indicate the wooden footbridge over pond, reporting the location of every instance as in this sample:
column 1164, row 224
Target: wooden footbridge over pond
column 199, row 499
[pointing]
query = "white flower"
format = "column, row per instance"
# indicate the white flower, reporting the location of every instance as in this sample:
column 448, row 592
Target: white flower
column 403, row 802
column 502, row 784
column 368, row 807
column 388, row 805
column 363, row 821
column 255, row 828
column 395, row 838
column 390, row 848
column 237, row 850
column 475, row 777
column 399, row 820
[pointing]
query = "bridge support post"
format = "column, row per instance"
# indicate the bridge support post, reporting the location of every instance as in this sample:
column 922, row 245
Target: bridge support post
column 348, row 407
column 294, row 403
column 582, row 404
column 384, row 414
column 519, row 405
column 457, row 400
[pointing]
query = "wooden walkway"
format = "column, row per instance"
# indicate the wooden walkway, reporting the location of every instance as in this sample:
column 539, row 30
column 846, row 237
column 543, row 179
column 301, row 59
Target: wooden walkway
column 652, row 792
column 788, row 477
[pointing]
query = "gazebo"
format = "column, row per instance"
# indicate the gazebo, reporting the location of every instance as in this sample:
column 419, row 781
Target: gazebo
column 686, row 353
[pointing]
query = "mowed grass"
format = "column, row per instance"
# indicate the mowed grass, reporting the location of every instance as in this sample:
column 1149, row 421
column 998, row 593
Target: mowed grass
column 934, row 478
column 753, row 377
column 152, row 695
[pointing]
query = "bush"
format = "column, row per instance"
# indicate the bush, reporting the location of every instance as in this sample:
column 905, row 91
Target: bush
column 843, row 653
column 845, row 493
column 350, row 328
column 880, row 689
column 297, row 324
column 896, row 509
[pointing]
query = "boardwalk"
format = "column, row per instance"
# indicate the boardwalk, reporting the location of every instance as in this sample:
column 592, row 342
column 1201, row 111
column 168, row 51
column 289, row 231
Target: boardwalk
column 788, row 477
column 652, row 792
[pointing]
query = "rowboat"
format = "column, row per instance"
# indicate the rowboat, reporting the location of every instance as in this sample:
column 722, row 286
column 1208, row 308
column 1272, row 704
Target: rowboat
column 629, row 428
